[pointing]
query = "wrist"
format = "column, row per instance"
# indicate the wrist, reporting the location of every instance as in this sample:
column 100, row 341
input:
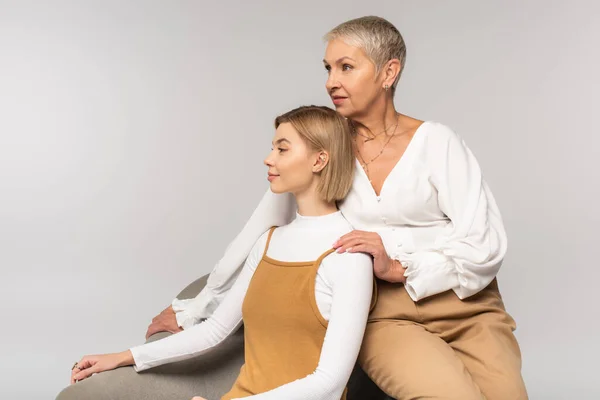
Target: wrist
column 126, row 358
column 395, row 272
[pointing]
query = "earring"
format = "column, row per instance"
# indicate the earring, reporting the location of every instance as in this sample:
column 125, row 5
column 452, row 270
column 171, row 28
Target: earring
column 322, row 157
column 386, row 87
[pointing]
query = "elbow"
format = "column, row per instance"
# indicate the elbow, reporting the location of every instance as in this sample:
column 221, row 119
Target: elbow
column 331, row 387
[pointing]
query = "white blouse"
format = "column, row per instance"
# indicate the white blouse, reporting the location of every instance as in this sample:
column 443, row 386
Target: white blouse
column 435, row 214
column 343, row 289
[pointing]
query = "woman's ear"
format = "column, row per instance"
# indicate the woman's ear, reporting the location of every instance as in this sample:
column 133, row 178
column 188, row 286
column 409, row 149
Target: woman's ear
column 321, row 162
column 391, row 72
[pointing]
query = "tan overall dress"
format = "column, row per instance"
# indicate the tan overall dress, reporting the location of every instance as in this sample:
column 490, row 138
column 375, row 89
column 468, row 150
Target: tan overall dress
column 283, row 328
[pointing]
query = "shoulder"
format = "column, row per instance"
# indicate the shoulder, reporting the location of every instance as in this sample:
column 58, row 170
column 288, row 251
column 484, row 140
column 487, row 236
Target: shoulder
column 348, row 270
column 259, row 246
column 348, row 263
column 442, row 145
column 437, row 134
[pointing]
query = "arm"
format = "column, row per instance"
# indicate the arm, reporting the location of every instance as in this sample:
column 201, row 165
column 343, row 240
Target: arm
column 468, row 255
column 197, row 340
column 273, row 210
column 203, row 337
column 351, row 278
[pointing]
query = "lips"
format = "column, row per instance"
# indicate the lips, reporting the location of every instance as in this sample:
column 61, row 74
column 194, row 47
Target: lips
column 270, row 177
column 338, row 99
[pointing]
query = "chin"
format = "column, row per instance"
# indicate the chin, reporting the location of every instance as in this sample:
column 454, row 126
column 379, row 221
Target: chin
column 277, row 189
column 344, row 112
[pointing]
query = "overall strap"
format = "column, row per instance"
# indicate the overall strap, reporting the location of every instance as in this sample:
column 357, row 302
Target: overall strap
column 269, row 240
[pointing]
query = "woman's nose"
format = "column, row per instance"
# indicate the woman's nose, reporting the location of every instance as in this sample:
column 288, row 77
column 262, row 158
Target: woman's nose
column 331, row 83
column 268, row 162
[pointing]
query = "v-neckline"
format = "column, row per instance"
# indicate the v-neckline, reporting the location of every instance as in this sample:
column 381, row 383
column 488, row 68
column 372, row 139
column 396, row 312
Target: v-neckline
column 396, row 166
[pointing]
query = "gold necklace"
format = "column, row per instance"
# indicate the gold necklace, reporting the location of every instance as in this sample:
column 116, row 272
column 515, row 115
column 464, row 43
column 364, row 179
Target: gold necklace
column 365, row 164
column 369, row 138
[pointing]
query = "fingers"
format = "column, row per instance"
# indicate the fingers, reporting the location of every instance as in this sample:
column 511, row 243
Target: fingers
column 152, row 329
column 84, row 366
column 362, row 248
column 370, row 241
column 352, row 244
column 86, row 362
column 345, row 242
column 160, row 326
column 347, row 237
column 365, row 236
column 86, row 373
column 74, row 372
column 369, row 246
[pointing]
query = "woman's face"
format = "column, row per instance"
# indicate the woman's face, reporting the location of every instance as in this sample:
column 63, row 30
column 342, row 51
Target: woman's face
column 353, row 83
column 291, row 162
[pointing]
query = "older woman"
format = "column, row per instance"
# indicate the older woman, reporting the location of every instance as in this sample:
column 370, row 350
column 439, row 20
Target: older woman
column 422, row 210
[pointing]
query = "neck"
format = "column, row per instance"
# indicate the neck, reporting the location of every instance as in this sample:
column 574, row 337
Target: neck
column 380, row 117
column 310, row 204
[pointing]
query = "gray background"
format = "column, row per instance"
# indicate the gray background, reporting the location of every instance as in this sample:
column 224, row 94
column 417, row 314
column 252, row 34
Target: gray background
column 132, row 136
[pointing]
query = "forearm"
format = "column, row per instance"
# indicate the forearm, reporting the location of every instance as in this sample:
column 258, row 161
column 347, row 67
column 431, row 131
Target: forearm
column 205, row 336
column 125, row 358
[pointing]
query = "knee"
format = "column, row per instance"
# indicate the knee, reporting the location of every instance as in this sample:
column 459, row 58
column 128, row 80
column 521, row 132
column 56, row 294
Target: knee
column 400, row 382
column 505, row 389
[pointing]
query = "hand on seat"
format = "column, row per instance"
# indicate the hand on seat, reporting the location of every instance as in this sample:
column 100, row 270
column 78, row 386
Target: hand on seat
column 90, row 365
column 164, row 322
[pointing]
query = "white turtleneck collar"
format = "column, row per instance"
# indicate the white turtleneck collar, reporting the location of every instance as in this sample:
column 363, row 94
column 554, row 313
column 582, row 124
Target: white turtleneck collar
column 319, row 221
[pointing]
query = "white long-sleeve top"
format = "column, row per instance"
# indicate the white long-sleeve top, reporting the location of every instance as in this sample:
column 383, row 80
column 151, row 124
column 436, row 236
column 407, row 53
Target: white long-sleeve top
column 435, row 214
column 343, row 290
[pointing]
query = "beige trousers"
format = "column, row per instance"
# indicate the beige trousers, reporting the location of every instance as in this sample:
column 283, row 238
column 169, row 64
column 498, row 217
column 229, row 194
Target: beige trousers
column 442, row 347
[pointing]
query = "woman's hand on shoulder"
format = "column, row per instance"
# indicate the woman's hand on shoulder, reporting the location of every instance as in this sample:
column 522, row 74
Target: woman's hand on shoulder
column 93, row 364
column 370, row 242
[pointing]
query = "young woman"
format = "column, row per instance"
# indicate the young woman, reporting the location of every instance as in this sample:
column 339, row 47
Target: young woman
column 422, row 210
column 304, row 306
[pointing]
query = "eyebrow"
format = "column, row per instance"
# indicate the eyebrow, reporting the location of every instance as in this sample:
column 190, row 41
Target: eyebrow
column 281, row 141
column 340, row 60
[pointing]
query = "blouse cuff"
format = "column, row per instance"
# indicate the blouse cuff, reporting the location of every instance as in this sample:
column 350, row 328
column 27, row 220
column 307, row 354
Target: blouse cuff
column 429, row 273
column 190, row 312
column 138, row 359
column 184, row 318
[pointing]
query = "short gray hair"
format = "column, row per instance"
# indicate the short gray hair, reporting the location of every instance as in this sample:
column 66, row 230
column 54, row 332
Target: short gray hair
column 378, row 37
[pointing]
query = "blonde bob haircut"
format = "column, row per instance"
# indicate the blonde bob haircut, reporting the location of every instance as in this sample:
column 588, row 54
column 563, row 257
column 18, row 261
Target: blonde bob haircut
column 323, row 129
column 377, row 37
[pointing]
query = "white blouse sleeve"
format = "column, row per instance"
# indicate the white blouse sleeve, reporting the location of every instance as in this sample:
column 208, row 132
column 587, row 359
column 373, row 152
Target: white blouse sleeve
column 467, row 257
column 210, row 333
column 351, row 278
column 273, row 210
